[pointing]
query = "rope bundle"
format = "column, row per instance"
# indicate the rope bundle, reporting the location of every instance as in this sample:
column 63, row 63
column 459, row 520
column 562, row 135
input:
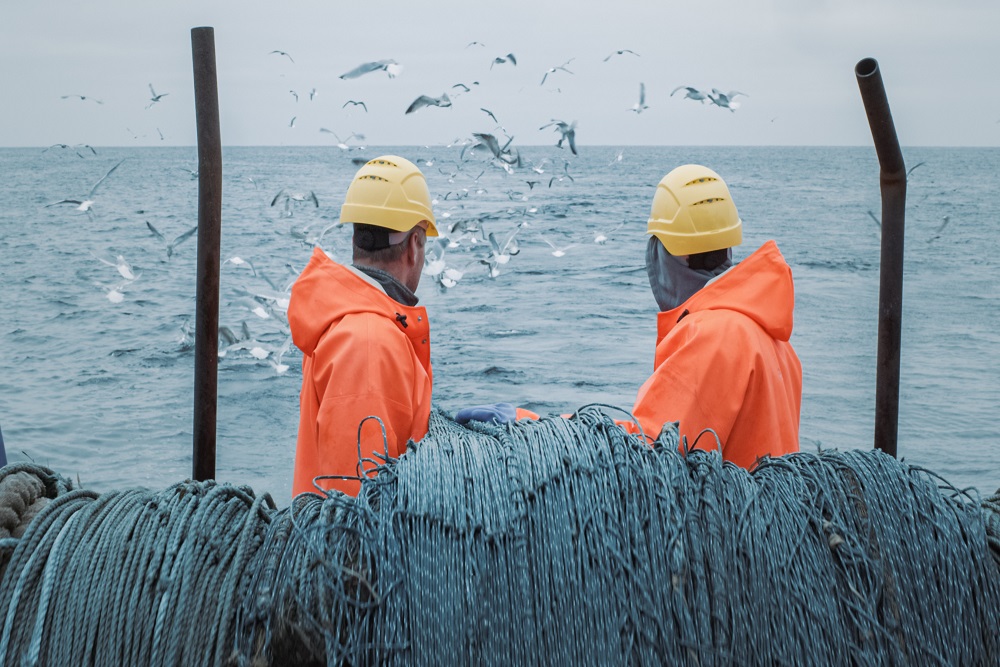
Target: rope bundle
column 566, row 541
column 557, row 541
column 131, row 577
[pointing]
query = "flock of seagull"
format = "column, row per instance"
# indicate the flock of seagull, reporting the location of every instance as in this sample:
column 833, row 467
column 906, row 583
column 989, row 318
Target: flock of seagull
column 488, row 250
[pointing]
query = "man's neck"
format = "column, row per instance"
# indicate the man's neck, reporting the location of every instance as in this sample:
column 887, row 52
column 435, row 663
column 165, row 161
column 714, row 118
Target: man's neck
column 392, row 286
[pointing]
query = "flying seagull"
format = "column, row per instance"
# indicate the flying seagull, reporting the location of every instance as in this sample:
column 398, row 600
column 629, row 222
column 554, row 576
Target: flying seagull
column 641, row 104
column 357, row 104
column 121, row 265
column 428, row 101
column 490, row 114
column 155, row 98
column 474, row 44
column 79, row 146
column 390, row 67
column 312, row 94
column 725, row 100
column 567, row 130
column 558, row 251
column 290, row 198
column 176, row 242
column 500, row 60
column 294, row 94
column 87, row 202
column 944, row 223
column 552, row 70
column 291, row 123
column 342, row 144
column 82, row 97
column 692, row 93
column 620, row 52
column 282, row 53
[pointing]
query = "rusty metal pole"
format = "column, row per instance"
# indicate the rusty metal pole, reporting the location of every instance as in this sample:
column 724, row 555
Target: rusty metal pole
column 206, row 345
column 892, row 179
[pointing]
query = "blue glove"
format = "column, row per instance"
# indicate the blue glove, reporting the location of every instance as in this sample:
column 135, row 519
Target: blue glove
column 494, row 412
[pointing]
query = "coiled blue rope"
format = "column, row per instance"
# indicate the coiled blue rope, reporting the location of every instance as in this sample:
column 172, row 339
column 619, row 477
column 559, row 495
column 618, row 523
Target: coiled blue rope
column 556, row 541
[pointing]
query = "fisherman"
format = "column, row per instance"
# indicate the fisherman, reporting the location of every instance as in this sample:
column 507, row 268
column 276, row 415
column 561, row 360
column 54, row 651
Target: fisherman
column 365, row 342
column 723, row 359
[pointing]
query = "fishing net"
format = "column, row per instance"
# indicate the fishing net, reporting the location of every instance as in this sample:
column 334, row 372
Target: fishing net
column 556, row 541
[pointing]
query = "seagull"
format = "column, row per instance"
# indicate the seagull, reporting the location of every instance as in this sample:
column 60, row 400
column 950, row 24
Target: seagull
column 556, row 250
column 493, row 145
column 342, row 145
column 291, row 123
column 600, row 237
column 474, row 44
column 390, row 67
column 289, row 198
column 428, row 101
column 295, row 95
column 313, row 94
column 619, row 156
column 275, row 363
column 620, row 52
column 692, row 93
column 560, row 178
column 282, row 53
column 910, row 170
column 75, row 147
column 235, row 260
column 115, row 294
column 155, row 98
column 873, row 217
column 490, row 114
column 725, row 100
column 500, row 60
column 568, row 131
column 944, row 223
column 176, row 242
column 86, row 203
column 356, row 103
column 82, row 97
column 193, row 173
column 502, row 254
column 641, row 104
column 552, row 70
column 121, row 265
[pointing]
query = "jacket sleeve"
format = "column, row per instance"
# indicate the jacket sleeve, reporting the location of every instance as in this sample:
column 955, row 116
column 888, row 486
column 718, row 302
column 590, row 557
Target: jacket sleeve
column 700, row 381
column 362, row 368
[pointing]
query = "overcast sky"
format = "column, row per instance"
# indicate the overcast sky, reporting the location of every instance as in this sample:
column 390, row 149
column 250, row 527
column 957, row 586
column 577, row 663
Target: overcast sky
column 794, row 60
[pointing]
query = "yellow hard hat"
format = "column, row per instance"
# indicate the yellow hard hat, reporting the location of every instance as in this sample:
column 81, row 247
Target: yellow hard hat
column 694, row 213
column 391, row 192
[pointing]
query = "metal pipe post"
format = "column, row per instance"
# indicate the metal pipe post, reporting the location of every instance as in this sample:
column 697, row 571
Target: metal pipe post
column 206, row 347
column 892, row 179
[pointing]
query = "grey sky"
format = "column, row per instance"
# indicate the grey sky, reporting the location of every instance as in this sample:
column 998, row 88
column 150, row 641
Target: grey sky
column 793, row 58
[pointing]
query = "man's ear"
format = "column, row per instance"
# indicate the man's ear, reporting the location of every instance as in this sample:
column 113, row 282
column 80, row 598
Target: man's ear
column 413, row 247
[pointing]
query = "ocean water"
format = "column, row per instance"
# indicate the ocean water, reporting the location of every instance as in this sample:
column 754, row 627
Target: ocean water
column 97, row 369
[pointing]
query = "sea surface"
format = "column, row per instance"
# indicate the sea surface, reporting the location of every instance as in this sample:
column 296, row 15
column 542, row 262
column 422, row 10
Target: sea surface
column 97, row 370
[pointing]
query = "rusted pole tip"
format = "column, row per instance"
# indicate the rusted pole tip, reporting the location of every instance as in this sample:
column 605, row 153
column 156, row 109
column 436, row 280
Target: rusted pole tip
column 866, row 67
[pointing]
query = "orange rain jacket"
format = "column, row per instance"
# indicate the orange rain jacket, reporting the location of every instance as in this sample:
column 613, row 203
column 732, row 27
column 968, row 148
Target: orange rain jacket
column 723, row 361
column 363, row 354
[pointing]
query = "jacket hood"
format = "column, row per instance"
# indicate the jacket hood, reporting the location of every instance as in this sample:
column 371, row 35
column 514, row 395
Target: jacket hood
column 325, row 292
column 759, row 287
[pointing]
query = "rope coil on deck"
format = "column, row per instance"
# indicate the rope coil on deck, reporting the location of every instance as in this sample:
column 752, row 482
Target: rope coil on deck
column 556, row 541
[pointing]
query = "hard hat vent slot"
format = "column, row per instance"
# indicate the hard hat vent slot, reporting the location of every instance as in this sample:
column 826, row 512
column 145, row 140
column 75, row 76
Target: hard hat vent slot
column 704, row 179
column 708, row 201
column 385, row 162
column 373, row 177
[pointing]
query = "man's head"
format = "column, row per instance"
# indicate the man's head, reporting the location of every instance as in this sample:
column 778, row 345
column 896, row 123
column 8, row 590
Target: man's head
column 693, row 225
column 390, row 206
